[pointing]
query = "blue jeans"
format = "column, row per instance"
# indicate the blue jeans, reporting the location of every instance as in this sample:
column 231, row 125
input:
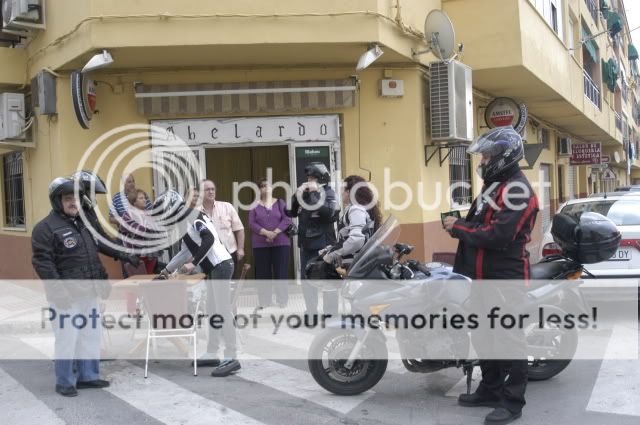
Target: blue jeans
column 77, row 345
column 310, row 292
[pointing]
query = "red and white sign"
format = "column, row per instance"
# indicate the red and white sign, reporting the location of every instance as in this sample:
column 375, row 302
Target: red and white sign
column 504, row 111
column 586, row 154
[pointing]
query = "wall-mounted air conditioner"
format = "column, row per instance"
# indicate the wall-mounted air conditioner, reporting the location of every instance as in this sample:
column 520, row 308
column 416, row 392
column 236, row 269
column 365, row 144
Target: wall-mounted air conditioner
column 451, row 102
column 564, row 146
column 18, row 15
column 12, row 116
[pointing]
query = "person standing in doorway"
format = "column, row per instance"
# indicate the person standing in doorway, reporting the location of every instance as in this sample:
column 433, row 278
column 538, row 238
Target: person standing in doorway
column 271, row 246
column 316, row 206
column 226, row 221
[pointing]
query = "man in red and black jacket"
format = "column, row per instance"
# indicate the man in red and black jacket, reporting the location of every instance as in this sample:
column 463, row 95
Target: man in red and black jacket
column 493, row 239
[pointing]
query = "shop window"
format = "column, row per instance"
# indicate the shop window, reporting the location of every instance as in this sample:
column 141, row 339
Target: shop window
column 13, row 190
column 460, row 176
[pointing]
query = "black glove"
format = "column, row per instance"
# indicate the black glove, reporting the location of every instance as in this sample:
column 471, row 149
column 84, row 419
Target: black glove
column 164, row 275
column 134, row 260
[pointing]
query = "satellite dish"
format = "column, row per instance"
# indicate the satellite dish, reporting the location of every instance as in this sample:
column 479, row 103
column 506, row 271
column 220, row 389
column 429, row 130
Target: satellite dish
column 438, row 31
column 616, row 157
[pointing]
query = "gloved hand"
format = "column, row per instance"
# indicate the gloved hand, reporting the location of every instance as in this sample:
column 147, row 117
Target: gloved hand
column 164, row 275
column 134, row 260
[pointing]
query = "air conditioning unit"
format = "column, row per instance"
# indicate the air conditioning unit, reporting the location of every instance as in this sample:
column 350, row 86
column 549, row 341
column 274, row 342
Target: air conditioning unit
column 564, row 146
column 451, row 102
column 23, row 14
column 12, row 116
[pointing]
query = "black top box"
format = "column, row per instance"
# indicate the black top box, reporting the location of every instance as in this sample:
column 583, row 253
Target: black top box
column 589, row 239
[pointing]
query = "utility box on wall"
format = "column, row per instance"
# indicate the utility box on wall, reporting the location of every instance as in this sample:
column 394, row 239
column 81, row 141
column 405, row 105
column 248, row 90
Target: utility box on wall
column 391, row 88
column 12, row 116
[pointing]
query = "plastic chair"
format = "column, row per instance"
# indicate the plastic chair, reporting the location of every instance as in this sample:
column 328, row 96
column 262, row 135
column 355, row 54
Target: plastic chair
column 168, row 299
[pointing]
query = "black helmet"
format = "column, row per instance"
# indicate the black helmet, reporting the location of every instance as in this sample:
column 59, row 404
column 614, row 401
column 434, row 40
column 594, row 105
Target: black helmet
column 59, row 187
column 319, row 171
column 168, row 204
column 503, row 145
column 90, row 181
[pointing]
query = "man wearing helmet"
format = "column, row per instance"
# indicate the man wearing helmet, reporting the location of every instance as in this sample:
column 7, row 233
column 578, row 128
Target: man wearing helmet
column 201, row 243
column 492, row 245
column 316, row 206
column 65, row 256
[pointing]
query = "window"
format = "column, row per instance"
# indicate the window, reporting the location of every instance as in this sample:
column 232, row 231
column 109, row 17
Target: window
column 571, row 43
column 460, row 176
column 554, row 18
column 13, row 190
column 544, row 138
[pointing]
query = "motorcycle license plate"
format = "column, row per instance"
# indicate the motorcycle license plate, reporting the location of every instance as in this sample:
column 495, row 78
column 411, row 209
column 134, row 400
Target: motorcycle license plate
column 621, row 255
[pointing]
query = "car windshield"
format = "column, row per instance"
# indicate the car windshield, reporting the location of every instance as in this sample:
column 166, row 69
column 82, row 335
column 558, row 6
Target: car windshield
column 387, row 234
column 623, row 212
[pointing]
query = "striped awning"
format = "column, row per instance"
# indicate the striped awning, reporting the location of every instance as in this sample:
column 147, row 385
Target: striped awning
column 246, row 97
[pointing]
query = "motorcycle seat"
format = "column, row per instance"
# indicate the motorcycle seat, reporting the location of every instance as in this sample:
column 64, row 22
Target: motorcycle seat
column 547, row 270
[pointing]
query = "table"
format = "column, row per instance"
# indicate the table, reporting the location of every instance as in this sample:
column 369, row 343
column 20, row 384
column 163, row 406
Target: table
column 132, row 283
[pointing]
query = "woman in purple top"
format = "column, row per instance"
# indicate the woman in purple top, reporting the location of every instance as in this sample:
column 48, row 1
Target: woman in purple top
column 271, row 245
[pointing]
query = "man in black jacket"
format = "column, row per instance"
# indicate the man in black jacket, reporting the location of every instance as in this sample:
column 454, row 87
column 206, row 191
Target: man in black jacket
column 65, row 256
column 316, row 206
column 492, row 245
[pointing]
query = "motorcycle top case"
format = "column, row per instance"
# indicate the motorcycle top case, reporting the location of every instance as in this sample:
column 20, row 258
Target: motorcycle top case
column 589, row 239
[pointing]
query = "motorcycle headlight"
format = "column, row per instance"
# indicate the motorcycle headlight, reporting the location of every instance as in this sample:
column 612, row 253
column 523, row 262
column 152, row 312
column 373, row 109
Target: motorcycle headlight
column 349, row 290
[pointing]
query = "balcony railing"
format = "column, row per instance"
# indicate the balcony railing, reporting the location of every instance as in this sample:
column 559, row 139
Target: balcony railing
column 591, row 90
column 593, row 8
column 618, row 121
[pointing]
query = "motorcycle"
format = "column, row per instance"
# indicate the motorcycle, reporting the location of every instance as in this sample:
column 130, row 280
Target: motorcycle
column 348, row 360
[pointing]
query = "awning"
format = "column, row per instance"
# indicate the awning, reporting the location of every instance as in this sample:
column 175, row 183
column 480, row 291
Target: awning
column 614, row 23
column 590, row 45
column 633, row 53
column 244, row 97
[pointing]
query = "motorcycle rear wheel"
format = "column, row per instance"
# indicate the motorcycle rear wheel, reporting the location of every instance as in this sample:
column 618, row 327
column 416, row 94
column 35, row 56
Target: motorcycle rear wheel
column 328, row 354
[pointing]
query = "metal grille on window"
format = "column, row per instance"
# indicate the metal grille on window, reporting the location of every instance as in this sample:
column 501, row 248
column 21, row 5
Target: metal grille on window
column 13, row 190
column 545, row 135
column 460, row 176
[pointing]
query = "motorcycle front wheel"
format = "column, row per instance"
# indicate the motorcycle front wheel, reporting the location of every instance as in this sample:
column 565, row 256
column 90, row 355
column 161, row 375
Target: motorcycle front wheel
column 329, row 352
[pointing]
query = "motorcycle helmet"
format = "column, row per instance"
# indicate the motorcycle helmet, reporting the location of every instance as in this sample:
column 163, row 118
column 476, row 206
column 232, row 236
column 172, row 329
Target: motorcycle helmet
column 59, row 187
column 319, row 171
column 91, row 182
column 503, row 145
column 168, row 204
column 317, row 268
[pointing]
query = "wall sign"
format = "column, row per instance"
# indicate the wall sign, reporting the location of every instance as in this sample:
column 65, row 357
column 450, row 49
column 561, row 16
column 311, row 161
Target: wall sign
column 83, row 96
column 586, row 154
column 249, row 130
column 504, row 111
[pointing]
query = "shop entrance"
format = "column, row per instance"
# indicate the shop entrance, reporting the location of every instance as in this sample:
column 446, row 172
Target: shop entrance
column 226, row 165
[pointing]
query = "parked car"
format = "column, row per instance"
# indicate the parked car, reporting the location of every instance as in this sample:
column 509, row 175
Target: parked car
column 633, row 188
column 624, row 210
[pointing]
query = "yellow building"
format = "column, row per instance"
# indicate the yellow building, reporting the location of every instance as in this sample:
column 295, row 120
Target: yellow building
column 251, row 85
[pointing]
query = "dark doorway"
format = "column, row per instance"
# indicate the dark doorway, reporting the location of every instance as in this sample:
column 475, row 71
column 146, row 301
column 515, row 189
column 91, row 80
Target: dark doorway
column 228, row 165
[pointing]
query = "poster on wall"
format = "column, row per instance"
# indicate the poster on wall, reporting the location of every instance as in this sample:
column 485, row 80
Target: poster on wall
column 308, row 154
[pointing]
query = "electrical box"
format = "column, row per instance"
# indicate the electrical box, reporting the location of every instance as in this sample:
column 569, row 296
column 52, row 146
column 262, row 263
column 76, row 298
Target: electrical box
column 451, row 101
column 46, row 87
column 12, row 116
column 391, row 88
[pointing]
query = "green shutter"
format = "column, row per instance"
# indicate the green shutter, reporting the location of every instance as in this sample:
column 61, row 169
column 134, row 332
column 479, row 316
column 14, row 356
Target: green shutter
column 614, row 23
column 590, row 45
column 604, row 5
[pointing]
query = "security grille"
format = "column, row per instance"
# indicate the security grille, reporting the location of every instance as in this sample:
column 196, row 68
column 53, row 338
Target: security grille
column 460, row 176
column 13, row 190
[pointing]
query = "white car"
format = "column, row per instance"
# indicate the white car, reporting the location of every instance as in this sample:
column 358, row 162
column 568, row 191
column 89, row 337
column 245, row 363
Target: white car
column 623, row 208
